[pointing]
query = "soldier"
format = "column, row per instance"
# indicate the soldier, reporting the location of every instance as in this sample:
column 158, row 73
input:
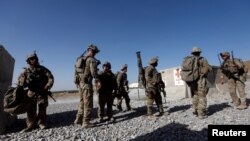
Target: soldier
column 108, row 83
column 199, row 87
column 153, row 83
column 234, row 70
column 39, row 81
column 122, row 83
column 85, row 78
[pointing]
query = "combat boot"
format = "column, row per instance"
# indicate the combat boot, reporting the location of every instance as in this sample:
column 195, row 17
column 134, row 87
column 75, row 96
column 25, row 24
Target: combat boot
column 101, row 120
column 28, row 129
column 88, row 125
column 119, row 108
column 42, row 126
column 161, row 111
column 202, row 116
column 242, row 107
column 111, row 119
column 78, row 119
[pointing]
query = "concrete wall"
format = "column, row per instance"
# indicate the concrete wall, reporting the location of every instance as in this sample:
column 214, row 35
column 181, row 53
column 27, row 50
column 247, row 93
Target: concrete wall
column 178, row 89
column 6, row 74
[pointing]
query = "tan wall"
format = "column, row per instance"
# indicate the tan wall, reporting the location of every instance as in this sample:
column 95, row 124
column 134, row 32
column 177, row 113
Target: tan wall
column 6, row 74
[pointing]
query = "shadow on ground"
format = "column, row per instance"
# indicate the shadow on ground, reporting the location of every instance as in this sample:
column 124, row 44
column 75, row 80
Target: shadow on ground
column 53, row 120
column 174, row 132
column 212, row 109
column 179, row 108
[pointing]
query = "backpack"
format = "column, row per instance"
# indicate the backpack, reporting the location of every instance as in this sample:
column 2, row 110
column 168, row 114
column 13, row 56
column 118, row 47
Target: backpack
column 242, row 69
column 190, row 69
column 80, row 64
column 16, row 100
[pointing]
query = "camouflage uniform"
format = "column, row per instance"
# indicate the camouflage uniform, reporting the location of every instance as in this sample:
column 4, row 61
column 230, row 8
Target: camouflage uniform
column 86, row 89
column 199, row 87
column 108, row 85
column 152, row 87
column 236, row 80
column 122, row 83
column 39, row 80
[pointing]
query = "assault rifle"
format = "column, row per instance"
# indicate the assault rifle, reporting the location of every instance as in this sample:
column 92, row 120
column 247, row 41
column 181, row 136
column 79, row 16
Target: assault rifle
column 49, row 93
column 226, row 71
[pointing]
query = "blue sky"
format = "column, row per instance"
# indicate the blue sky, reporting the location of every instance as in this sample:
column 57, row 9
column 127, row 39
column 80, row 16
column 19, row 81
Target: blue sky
column 60, row 30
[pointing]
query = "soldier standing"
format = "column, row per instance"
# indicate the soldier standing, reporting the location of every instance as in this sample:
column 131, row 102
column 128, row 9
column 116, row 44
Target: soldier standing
column 152, row 85
column 199, row 87
column 122, row 83
column 39, row 80
column 85, row 78
column 234, row 70
column 108, row 83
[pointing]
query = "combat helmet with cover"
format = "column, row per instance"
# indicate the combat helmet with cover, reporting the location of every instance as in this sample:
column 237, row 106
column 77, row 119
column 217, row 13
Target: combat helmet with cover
column 153, row 60
column 94, row 48
column 32, row 56
column 196, row 49
column 124, row 66
column 107, row 64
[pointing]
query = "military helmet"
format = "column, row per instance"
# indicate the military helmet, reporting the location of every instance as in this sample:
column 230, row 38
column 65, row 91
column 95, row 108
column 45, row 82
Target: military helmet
column 107, row 64
column 224, row 54
column 94, row 48
column 124, row 66
column 196, row 49
column 153, row 60
column 32, row 55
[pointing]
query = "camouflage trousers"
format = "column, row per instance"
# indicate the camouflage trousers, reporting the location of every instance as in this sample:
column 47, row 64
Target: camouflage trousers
column 105, row 97
column 233, row 86
column 86, row 105
column 199, row 92
column 123, row 94
column 40, row 102
column 153, row 95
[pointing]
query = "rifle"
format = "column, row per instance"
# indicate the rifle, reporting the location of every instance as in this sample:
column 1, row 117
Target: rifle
column 50, row 95
column 164, row 94
column 141, row 76
column 161, row 86
column 227, row 72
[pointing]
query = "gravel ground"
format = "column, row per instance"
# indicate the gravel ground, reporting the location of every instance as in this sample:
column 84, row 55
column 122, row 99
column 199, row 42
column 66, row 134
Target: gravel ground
column 179, row 125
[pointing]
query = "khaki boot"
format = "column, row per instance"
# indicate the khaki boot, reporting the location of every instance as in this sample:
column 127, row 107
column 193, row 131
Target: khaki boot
column 149, row 110
column 42, row 126
column 78, row 119
column 242, row 107
column 88, row 125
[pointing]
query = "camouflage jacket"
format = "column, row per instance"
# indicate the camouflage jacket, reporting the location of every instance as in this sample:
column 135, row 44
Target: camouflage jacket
column 233, row 68
column 122, row 81
column 90, row 71
column 151, row 76
column 36, row 78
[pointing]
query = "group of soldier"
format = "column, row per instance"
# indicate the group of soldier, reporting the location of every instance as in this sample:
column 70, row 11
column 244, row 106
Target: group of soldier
column 232, row 68
column 39, row 80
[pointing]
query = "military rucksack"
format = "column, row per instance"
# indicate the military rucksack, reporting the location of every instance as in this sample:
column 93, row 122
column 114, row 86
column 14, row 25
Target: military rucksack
column 80, row 64
column 190, row 69
column 16, row 100
column 242, row 69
